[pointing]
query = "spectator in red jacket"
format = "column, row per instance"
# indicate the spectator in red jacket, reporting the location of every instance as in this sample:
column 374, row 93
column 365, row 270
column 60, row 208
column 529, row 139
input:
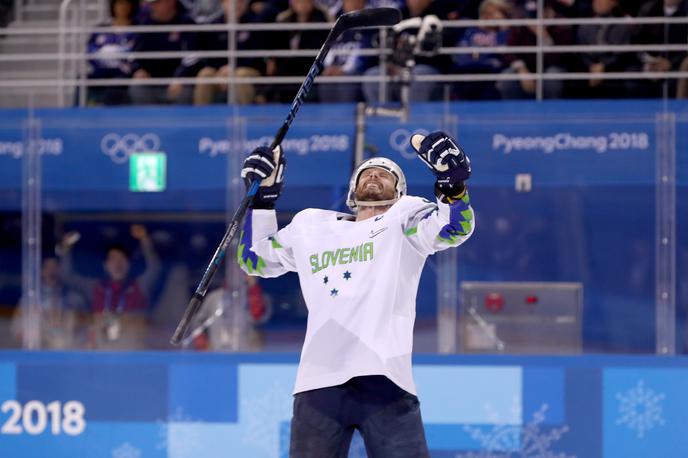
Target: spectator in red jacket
column 119, row 302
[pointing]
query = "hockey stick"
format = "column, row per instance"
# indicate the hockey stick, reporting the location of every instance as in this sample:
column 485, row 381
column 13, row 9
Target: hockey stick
column 373, row 17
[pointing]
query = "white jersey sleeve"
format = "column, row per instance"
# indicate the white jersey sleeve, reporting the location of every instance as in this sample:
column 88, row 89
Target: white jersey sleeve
column 263, row 250
column 430, row 227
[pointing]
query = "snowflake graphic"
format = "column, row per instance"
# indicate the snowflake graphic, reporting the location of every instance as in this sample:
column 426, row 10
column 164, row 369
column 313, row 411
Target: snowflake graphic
column 183, row 441
column 513, row 440
column 640, row 409
column 264, row 415
column 126, row 450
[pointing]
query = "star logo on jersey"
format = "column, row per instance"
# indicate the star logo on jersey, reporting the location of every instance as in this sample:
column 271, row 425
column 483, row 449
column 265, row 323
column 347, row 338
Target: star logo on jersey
column 325, row 280
column 334, row 292
column 377, row 232
column 347, row 275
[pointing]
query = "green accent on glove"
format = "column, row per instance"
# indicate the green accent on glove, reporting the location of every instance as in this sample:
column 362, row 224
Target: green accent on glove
column 455, row 235
column 449, row 240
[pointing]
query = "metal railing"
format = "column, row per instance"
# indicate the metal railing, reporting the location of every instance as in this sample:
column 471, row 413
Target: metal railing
column 72, row 33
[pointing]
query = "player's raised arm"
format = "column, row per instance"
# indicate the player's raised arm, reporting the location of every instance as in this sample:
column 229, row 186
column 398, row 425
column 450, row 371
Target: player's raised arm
column 263, row 250
column 433, row 227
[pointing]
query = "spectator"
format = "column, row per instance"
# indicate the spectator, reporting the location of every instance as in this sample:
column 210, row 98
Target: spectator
column 526, row 64
column 60, row 310
column 633, row 7
column 572, row 8
column 662, row 61
column 682, row 84
column 300, row 11
column 349, row 63
column 469, row 9
column 219, row 67
column 118, row 302
column 269, row 9
column 167, row 13
column 428, row 64
column 333, row 7
column 6, row 12
column 203, row 11
column 603, row 62
column 486, row 62
column 102, row 44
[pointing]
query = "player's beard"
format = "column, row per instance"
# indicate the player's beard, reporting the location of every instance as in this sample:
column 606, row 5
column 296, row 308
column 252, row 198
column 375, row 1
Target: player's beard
column 365, row 193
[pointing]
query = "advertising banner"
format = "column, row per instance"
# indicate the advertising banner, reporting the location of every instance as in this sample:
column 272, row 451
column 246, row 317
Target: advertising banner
column 56, row 405
column 546, row 144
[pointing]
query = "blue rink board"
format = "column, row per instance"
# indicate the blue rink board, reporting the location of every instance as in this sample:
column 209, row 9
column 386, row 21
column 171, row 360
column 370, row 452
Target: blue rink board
column 221, row 405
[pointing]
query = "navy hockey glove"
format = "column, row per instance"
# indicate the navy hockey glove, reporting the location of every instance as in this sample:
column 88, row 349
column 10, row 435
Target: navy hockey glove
column 447, row 161
column 267, row 166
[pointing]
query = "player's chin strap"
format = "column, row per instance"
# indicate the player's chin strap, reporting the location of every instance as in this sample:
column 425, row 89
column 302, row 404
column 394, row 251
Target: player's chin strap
column 374, row 203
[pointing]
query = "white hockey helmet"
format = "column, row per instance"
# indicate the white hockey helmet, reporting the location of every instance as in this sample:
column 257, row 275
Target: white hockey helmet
column 380, row 163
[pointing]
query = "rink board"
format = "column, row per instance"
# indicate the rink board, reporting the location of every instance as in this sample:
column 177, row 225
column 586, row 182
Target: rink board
column 126, row 405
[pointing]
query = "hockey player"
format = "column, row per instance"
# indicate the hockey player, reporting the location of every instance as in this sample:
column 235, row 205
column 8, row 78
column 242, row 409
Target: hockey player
column 359, row 276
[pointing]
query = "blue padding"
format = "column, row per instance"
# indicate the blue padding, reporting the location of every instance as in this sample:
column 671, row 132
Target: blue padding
column 544, row 388
column 452, row 436
column 8, row 385
column 204, row 393
column 473, row 406
column 584, row 407
column 109, row 392
column 644, row 412
column 107, row 439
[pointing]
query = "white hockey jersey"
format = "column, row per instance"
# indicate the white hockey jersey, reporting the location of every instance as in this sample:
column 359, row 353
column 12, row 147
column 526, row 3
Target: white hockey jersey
column 359, row 281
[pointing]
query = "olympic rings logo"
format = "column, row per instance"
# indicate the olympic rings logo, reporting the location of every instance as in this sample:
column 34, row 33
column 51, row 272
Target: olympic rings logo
column 400, row 141
column 119, row 148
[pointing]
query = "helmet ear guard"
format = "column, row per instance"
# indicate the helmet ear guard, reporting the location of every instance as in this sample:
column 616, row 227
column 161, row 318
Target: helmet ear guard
column 381, row 163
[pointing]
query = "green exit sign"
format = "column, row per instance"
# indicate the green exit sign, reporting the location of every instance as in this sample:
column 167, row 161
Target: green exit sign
column 147, row 172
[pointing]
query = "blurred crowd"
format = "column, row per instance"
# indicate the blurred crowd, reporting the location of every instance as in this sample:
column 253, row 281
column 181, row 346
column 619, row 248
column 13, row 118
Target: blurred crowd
column 415, row 51
column 131, row 303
